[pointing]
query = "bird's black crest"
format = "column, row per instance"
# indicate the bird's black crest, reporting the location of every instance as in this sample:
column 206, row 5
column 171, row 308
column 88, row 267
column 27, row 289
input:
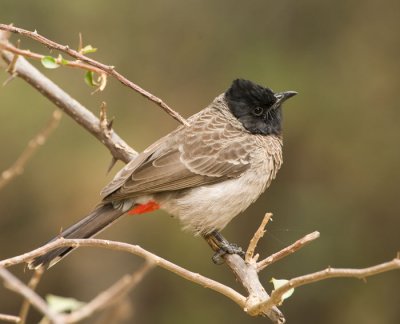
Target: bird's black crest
column 254, row 106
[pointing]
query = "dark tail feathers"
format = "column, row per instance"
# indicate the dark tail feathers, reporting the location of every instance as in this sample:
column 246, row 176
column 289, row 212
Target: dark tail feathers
column 100, row 218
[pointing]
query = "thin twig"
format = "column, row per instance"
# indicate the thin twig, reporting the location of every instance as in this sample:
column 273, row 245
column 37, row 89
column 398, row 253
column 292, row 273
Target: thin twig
column 80, row 114
column 13, row 283
column 287, row 250
column 11, row 67
column 276, row 295
column 256, row 237
column 9, row 318
column 110, row 70
column 18, row 167
column 23, row 313
column 27, row 53
column 112, row 295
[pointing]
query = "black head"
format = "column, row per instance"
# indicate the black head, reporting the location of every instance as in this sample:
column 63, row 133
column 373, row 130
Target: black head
column 256, row 107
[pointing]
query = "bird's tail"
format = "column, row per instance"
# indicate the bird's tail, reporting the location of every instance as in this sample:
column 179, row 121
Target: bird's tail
column 100, row 218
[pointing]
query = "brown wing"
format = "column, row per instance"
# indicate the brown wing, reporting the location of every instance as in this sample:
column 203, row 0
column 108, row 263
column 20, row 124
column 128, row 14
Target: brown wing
column 209, row 151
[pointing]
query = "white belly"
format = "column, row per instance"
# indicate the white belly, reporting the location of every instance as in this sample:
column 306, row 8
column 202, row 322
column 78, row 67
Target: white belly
column 207, row 208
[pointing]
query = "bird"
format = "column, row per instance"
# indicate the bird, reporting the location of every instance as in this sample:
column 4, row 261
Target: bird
column 203, row 174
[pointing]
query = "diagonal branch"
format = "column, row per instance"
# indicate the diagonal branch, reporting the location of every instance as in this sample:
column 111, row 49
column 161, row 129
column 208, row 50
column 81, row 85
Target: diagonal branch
column 9, row 318
column 111, row 296
column 116, row 145
column 287, row 250
column 23, row 313
column 110, row 70
column 18, row 167
column 13, row 283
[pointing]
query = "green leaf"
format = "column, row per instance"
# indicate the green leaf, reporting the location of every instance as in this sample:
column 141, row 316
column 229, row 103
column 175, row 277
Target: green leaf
column 279, row 283
column 89, row 79
column 49, row 62
column 63, row 304
column 88, row 49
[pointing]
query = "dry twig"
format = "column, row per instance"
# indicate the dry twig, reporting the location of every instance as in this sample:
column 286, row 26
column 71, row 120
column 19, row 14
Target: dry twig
column 287, row 250
column 256, row 237
column 18, row 167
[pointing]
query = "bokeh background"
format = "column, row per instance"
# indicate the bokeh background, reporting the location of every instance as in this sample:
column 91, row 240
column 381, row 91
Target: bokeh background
column 342, row 155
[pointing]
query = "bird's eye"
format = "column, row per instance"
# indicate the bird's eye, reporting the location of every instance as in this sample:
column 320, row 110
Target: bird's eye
column 258, row 111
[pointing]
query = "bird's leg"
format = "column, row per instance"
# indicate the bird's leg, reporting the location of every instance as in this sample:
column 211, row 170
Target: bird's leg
column 221, row 246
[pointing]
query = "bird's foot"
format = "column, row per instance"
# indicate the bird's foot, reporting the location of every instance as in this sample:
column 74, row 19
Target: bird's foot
column 222, row 247
column 232, row 248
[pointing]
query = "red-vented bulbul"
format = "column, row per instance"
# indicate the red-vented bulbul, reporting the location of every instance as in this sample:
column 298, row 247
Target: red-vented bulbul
column 203, row 174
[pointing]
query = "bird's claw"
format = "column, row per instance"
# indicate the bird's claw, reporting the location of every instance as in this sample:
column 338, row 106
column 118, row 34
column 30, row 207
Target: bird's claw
column 222, row 247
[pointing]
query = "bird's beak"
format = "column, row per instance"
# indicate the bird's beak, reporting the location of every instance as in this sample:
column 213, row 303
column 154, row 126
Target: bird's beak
column 283, row 96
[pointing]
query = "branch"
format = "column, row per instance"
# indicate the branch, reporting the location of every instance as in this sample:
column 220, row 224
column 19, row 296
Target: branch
column 13, row 283
column 254, row 241
column 133, row 249
column 109, row 70
column 246, row 274
column 117, row 146
column 9, row 318
column 111, row 296
column 18, row 167
column 276, row 296
column 287, row 250
column 23, row 313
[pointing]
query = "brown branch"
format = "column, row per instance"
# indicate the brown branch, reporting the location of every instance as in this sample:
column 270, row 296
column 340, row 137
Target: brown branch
column 276, row 295
column 111, row 296
column 117, row 146
column 9, row 318
column 258, row 301
column 18, row 167
column 246, row 274
column 110, row 70
column 287, row 250
column 254, row 241
column 23, row 313
column 133, row 249
column 13, row 283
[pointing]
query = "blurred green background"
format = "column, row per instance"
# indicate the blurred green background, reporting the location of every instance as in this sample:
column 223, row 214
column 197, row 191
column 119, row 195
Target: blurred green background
column 342, row 155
